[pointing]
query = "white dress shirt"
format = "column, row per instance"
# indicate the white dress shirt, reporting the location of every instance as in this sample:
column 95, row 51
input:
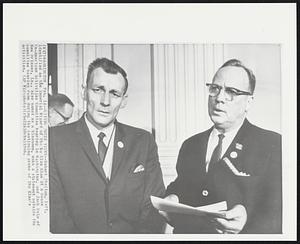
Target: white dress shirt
column 213, row 141
column 108, row 140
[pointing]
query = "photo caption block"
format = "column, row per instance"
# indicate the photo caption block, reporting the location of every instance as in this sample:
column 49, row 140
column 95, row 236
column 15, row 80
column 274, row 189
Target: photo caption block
column 35, row 130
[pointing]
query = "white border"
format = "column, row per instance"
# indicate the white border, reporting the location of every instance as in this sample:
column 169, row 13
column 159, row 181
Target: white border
column 143, row 23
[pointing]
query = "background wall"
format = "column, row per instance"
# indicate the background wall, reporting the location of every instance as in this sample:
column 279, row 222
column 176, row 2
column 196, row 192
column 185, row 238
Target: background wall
column 265, row 61
column 167, row 92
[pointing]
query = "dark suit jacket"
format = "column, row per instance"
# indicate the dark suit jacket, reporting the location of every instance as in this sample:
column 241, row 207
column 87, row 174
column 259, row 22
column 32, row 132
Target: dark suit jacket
column 83, row 201
column 259, row 155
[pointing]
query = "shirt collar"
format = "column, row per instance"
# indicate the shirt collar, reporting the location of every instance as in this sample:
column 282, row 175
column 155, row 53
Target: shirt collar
column 94, row 131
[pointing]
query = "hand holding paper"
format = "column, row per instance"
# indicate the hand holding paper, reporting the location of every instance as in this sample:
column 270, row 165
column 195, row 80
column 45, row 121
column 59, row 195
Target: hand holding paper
column 175, row 207
column 234, row 221
column 224, row 221
column 176, row 213
column 166, row 215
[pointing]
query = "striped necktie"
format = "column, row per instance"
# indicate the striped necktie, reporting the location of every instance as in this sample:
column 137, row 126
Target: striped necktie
column 216, row 155
column 101, row 148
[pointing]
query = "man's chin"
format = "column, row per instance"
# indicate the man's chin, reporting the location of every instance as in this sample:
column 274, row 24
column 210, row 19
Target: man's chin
column 102, row 122
column 217, row 120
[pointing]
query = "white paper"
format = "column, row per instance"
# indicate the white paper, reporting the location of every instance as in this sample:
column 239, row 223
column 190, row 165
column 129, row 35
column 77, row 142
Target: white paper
column 173, row 207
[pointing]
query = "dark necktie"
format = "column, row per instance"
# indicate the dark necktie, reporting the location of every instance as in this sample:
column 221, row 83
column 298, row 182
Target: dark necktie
column 101, row 148
column 216, row 155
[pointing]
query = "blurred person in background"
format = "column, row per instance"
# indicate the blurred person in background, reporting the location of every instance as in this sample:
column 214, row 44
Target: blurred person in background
column 60, row 109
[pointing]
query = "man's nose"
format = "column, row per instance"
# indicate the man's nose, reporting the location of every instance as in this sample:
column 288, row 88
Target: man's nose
column 221, row 96
column 105, row 99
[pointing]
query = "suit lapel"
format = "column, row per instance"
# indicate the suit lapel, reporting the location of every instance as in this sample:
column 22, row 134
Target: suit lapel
column 204, row 142
column 195, row 159
column 88, row 147
column 121, row 146
column 236, row 147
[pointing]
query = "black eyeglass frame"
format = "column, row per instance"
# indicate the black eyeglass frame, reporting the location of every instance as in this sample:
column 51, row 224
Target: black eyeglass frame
column 233, row 91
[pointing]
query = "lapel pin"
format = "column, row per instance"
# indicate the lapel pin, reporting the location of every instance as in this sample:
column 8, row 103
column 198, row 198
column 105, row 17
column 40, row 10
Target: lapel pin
column 120, row 144
column 238, row 146
column 233, row 154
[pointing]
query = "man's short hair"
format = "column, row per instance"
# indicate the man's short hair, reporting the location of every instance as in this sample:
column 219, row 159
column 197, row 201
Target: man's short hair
column 108, row 66
column 238, row 63
column 58, row 100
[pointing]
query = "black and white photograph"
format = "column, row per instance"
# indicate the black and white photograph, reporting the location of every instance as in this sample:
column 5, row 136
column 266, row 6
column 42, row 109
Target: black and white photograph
column 156, row 138
column 104, row 168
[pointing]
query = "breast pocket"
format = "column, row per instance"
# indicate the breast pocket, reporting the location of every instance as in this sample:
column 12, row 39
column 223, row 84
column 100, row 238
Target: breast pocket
column 133, row 194
column 135, row 182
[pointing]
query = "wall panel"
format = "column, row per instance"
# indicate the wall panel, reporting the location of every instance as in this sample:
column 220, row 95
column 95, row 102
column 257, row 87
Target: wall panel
column 136, row 61
column 180, row 96
column 264, row 60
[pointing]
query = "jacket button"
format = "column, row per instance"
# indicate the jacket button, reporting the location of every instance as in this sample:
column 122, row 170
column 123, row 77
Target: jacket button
column 205, row 193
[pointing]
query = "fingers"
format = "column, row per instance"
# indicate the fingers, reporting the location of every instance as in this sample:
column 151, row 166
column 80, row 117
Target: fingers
column 223, row 223
column 219, row 231
column 164, row 214
column 172, row 197
column 228, row 226
column 166, row 217
column 237, row 211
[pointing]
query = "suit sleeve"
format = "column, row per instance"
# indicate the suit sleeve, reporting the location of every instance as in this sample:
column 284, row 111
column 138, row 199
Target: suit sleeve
column 60, row 219
column 151, row 221
column 173, row 187
column 265, row 212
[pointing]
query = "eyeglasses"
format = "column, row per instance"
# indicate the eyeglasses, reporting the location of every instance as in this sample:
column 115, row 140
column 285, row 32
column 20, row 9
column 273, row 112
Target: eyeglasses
column 229, row 92
column 63, row 116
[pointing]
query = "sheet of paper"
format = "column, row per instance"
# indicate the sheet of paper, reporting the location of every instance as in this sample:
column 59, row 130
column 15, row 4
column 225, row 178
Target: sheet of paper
column 173, row 207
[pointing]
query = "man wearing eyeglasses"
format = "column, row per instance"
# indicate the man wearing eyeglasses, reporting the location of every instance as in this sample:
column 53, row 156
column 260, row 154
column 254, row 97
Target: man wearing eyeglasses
column 234, row 161
column 60, row 109
column 102, row 172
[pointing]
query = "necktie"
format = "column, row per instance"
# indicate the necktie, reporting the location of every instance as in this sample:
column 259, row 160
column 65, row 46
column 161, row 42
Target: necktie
column 216, row 155
column 101, row 148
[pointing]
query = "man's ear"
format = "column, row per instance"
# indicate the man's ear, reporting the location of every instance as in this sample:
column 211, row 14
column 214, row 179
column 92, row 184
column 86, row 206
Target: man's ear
column 249, row 103
column 124, row 101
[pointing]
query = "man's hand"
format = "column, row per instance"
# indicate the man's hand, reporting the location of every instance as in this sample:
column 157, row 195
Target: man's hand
column 234, row 221
column 167, row 216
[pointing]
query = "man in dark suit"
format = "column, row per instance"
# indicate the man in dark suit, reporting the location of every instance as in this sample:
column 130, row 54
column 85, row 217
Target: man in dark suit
column 102, row 172
column 234, row 161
